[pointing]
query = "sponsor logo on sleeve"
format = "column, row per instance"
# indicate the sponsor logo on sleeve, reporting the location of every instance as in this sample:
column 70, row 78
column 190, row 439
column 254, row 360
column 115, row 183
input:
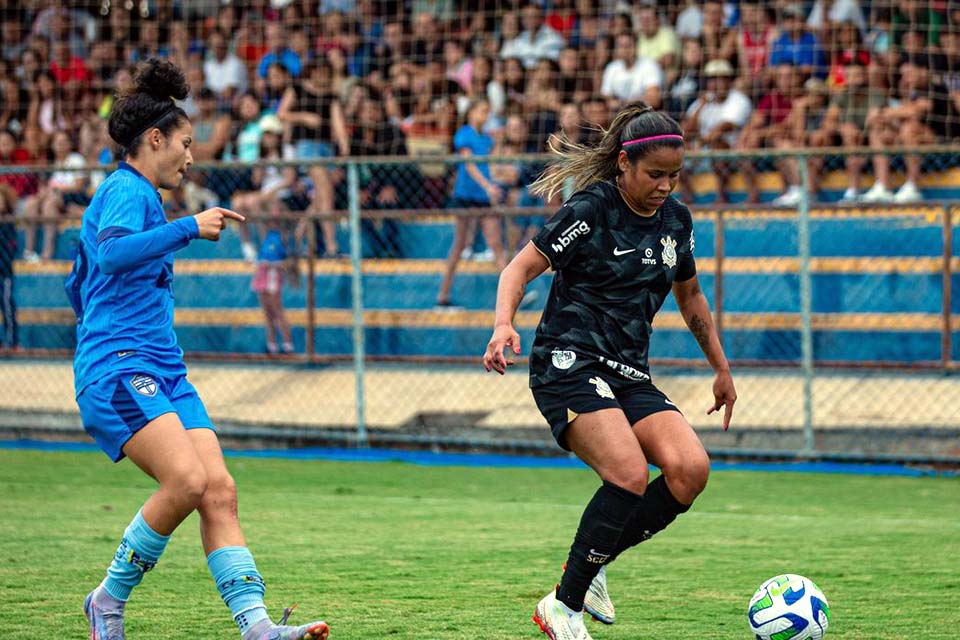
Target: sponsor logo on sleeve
column 571, row 233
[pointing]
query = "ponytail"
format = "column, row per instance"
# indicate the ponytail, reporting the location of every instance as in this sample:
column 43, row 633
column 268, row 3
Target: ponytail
column 637, row 129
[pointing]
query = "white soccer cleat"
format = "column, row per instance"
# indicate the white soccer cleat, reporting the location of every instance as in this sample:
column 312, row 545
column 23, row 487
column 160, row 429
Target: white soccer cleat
column 597, row 601
column 877, row 193
column 559, row 622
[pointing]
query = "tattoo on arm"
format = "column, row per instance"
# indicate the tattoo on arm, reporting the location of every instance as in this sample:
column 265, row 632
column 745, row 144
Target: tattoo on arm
column 700, row 331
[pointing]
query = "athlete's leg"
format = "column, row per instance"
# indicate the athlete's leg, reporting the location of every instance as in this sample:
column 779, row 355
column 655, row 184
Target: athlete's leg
column 671, row 444
column 163, row 451
column 240, row 584
column 602, row 439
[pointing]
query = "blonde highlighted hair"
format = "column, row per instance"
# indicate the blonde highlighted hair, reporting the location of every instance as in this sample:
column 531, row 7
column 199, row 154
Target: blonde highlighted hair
column 586, row 165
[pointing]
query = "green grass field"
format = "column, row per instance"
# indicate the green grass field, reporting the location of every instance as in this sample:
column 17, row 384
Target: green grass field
column 390, row 550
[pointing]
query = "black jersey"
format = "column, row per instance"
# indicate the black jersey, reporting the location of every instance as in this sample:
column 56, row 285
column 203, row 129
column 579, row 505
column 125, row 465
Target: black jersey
column 614, row 269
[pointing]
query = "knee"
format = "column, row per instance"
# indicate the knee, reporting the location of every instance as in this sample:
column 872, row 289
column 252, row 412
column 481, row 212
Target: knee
column 633, row 478
column 688, row 477
column 220, row 494
column 190, row 486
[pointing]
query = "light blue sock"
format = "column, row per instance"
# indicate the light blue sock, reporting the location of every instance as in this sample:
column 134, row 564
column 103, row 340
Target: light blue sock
column 138, row 552
column 240, row 585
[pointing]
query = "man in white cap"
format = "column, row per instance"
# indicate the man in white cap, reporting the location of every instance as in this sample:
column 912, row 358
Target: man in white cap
column 715, row 119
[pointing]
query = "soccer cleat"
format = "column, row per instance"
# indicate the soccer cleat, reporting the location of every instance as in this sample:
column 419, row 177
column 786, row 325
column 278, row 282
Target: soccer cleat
column 557, row 621
column 597, row 601
column 104, row 624
column 312, row 631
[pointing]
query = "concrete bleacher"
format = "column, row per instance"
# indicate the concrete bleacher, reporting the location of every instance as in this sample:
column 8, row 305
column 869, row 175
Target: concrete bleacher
column 876, row 294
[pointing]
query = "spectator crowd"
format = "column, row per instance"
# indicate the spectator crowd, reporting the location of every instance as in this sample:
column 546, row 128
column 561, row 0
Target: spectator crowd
column 291, row 80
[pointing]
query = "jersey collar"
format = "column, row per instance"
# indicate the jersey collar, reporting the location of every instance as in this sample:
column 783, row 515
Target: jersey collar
column 128, row 167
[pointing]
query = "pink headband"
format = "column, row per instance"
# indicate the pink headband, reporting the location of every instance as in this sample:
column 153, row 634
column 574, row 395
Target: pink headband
column 669, row 136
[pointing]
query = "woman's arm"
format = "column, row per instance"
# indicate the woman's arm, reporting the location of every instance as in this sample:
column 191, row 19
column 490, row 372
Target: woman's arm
column 527, row 265
column 696, row 313
column 493, row 191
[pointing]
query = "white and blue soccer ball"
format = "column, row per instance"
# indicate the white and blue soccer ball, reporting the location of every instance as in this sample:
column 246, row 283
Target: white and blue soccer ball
column 788, row 607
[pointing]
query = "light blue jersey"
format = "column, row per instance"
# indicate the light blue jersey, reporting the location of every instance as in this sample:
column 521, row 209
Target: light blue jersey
column 121, row 286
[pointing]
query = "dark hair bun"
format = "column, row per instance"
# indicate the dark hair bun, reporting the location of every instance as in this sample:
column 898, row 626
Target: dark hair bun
column 161, row 79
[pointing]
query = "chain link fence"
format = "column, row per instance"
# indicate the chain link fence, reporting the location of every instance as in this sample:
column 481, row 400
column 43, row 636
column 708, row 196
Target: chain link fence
column 354, row 306
column 837, row 317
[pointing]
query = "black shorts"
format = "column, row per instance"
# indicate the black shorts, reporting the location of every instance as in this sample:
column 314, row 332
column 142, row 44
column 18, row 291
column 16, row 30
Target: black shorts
column 594, row 387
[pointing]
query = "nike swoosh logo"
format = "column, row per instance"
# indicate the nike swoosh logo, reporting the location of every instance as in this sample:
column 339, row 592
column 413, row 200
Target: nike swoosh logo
column 619, row 252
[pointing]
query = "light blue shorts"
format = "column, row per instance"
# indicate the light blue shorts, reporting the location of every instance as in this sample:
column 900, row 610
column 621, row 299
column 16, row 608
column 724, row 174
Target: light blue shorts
column 116, row 407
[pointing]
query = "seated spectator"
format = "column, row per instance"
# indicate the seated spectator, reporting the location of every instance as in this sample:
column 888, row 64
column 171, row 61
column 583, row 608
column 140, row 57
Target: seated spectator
column 483, row 84
column 211, row 129
column 427, row 44
column 656, row 41
column 805, row 127
column 64, row 192
column 474, row 189
column 923, row 114
column 12, row 154
column 319, row 130
column 383, row 187
column 536, row 42
column 459, row 66
column 574, row 85
column 767, row 126
column 688, row 82
column 925, row 18
column 271, row 183
column 628, row 78
column 719, row 40
column 513, row 178
column 278, row 51
column 714, row 120
column 67, row 68
column 225, row 73
column 46, row 112
column 596, row 115
column 798, row 46
column 150, row 43
column 274, row 87
column 846, row 47
column 824, row 13
column 9, row 338
column 754, row 38
column 541, row 101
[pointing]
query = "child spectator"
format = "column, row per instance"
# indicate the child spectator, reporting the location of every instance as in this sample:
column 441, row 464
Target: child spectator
column 274, row 264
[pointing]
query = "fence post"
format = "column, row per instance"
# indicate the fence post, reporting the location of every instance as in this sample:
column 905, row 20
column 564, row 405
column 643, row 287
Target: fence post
column 806, row 330
column 946, row 336
column 353, row 194
column 311, row 321
column 718, row 251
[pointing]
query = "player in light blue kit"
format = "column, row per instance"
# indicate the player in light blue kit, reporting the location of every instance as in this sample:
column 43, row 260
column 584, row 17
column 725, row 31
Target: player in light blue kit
column 130, row 378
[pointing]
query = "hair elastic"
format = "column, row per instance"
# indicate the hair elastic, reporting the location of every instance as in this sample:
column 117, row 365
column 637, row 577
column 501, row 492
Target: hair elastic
column 668, row 136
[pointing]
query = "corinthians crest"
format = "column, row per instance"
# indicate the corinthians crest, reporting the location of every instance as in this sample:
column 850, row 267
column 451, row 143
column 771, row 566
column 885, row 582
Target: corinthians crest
column 603, row 389
column 669, row 255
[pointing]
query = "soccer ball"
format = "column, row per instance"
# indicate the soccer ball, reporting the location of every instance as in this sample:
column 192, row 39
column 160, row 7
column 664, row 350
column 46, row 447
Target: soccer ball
column 788, row 607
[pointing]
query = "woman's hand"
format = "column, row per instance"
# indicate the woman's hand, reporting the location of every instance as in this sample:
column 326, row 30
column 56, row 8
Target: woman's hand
column 724, row 395
column 212, row 221
column 503, row 336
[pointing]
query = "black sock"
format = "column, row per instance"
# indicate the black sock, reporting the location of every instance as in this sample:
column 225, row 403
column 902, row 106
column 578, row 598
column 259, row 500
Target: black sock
column 600, row 527
column 657, row 510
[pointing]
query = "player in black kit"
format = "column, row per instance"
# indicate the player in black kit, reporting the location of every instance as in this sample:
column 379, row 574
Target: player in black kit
column 618, row 246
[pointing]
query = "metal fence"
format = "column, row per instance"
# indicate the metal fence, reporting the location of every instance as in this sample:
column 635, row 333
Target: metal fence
column 837, row 317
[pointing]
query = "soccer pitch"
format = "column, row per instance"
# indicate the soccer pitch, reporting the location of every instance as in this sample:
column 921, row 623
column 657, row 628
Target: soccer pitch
column 391, row 550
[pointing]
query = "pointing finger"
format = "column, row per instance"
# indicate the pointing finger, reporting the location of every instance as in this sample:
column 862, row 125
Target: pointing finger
column 227, row 213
